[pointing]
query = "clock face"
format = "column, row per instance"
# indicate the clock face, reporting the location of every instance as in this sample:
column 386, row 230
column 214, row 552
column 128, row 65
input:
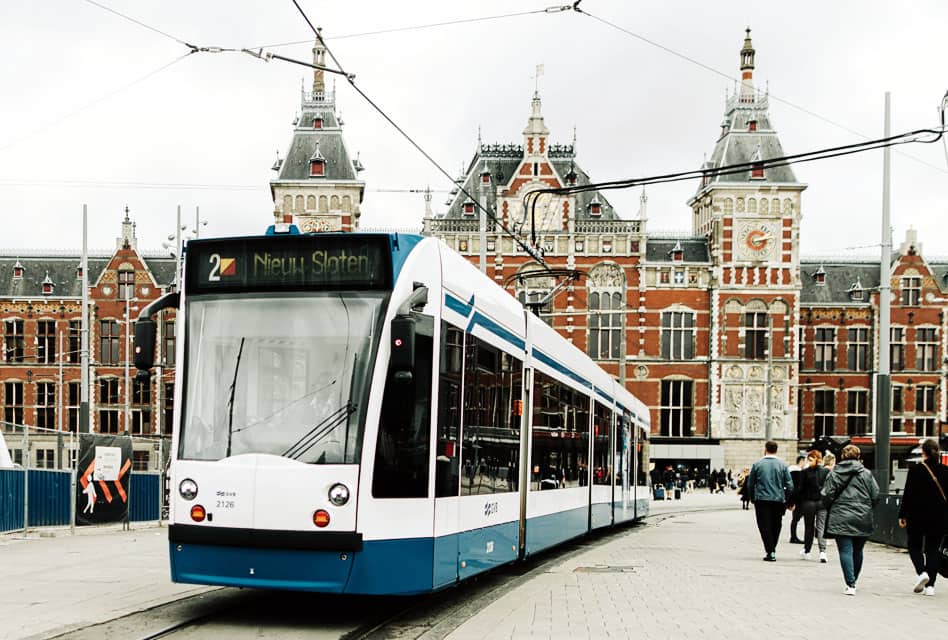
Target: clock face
column 757, row 240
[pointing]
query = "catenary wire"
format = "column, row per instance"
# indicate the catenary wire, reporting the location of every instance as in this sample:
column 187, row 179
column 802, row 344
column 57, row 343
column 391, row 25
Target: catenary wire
column 729, row 77
column 94, row 102
column 351, row 78
column 418, row 27
column 138, row 22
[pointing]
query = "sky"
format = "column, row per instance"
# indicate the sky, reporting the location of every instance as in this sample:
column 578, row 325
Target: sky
column 92, row 115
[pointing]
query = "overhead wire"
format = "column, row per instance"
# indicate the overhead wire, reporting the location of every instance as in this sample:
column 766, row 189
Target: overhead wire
column 711, row 172
column 94, row 102
column 419, row 27
column 727, row 76
column 351, row 78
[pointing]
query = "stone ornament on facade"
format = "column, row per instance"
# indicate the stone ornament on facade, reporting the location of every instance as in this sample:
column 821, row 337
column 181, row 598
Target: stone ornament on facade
column 641, row 372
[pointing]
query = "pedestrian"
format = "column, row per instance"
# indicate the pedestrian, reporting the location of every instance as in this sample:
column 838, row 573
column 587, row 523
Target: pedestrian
column 812, row 477
column 722, row 480
column 795, row 470
column 769, row 483
column 742, row 488
column 924, row 515
column 829, row 461
column 850, row 493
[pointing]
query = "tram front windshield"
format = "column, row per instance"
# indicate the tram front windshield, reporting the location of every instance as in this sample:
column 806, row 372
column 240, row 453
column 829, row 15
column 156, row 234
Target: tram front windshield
column 280, row 375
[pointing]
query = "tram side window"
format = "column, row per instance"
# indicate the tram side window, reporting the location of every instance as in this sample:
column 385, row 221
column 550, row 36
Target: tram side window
column 602, row 449
column 401, row 453
column 492, row 414
column 448, row 454
column 642, row 456
column 560, row 442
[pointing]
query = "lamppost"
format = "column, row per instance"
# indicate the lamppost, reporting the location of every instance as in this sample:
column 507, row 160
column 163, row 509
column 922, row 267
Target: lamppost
column 128, row 353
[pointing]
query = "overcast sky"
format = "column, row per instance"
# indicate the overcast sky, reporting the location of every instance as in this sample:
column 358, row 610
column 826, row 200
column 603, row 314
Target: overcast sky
column 73, row 130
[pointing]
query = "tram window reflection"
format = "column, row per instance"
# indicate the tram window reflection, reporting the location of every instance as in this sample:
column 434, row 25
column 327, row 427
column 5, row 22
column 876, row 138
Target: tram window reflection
column 560, row 439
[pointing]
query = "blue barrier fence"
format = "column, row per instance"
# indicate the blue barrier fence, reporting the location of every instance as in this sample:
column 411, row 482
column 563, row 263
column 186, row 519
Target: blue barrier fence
column 51, row 495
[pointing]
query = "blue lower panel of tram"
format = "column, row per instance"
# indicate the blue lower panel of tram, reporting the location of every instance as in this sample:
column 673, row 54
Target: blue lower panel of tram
column 550, row 530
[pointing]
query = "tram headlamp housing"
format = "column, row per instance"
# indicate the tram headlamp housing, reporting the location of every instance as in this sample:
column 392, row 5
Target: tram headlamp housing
column 188, row 489
column 339, row 494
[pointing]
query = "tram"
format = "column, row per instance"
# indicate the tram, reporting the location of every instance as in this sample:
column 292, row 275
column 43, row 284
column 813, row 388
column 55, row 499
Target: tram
column 370, row 414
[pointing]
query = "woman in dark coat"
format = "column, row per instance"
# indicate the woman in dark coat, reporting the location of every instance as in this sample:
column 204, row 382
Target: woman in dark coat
column 809, row 502
column 924, row 511
column 850, row 493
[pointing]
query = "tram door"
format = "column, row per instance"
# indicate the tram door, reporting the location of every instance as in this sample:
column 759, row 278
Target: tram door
column 623, row 490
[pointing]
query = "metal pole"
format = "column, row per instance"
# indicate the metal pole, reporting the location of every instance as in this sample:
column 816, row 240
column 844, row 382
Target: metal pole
column 768, row 425
column 128, row 389
column 72, row 486
column 197, row 222
column 483, row 230
column 883, row 378
column 26, row 478
column 84, row 330
column 177, row 250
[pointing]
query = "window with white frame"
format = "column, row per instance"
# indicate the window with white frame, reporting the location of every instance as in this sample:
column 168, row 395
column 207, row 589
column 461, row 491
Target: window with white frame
column 824, row 349
column 755, row 335
column 897, row 348
column 14, row 344
column 857, row 412
column 925, row 410
column 911, row 291
column 895, row 409
column 677, row 408
column 678, row 335
column 141, row 407
column 46, row 405
column 857, row 349
column 606, row 307
column 12, row 403
column 46, row 341
column 824, row 412
column 926, row 349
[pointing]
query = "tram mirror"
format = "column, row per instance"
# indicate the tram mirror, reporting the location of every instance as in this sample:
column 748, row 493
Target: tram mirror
column 144, row 345
column 402, row 360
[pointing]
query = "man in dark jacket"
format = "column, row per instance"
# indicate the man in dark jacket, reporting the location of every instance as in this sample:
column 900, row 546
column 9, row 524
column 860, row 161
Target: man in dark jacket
column 924, row 510
column 768, row 486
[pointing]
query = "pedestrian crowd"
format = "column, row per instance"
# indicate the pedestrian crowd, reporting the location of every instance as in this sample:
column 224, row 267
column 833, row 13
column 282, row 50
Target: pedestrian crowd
column 837, row 499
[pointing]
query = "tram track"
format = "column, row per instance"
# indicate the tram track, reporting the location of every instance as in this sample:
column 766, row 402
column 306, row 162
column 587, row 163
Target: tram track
column 245, row 613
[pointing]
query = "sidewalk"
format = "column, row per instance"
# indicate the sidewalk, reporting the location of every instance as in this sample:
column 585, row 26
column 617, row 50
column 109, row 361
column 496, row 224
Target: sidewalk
column 54, row 581
column 699, row 574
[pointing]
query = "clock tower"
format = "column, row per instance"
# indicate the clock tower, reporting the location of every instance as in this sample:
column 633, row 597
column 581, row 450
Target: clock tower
column 751, row 218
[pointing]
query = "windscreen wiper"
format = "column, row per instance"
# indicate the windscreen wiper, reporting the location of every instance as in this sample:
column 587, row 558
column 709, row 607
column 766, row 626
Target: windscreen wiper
column 230, row 403
column 322, row 429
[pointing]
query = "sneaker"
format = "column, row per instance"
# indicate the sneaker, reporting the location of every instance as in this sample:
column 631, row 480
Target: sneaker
column 770, row 557
column 929, row 591
column 804, row 554
column 796, row 541
column 823, row 557
column 850, row 591
column 920, row 582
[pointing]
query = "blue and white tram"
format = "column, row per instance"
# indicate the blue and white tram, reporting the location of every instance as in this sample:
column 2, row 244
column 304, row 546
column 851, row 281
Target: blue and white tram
column 368, row 413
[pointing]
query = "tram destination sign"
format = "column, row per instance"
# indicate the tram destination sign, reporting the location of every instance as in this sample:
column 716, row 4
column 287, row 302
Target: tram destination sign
column 288, row 262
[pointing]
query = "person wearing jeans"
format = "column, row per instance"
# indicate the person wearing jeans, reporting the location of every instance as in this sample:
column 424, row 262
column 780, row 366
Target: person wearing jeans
column 850, row 493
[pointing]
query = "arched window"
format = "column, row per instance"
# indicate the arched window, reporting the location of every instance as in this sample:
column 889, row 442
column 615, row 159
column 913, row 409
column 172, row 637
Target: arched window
column 310, row 203
column 728, row 206
column 287, row 204
column 299, row 203
column 606, row 284
column 323, row 204
column 347, row 204
column 752, row 205
column 334, row 203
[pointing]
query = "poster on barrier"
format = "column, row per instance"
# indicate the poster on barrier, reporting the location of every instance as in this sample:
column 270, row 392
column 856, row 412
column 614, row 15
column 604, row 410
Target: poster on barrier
column 102, row 481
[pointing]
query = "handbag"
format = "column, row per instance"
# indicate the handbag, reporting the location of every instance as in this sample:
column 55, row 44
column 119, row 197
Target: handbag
column 829, row 504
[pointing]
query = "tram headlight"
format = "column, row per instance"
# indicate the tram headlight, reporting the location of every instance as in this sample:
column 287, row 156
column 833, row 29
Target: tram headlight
column 339, row 494
column 188, row 489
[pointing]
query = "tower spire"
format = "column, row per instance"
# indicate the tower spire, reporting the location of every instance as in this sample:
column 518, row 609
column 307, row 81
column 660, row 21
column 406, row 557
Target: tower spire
column 319, row 59
column 747, row 68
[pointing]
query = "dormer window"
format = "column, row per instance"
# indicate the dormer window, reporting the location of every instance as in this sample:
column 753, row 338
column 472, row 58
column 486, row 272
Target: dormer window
column 820, row 276
column 47, row 285
column 468, row 208
column 677, row 254
column 79, row 272
column 595, row 207
column 485, row 177
column 571, row 178
column 317, row 123
column 317, row 167
column 752, row 125
column 17, row 271
column 757, row 170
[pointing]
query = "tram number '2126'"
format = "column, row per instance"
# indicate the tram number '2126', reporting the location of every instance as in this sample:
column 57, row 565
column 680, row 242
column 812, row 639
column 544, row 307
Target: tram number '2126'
column 490, row 508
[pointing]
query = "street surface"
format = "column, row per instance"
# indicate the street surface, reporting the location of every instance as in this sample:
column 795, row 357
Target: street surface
column 693, row 570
